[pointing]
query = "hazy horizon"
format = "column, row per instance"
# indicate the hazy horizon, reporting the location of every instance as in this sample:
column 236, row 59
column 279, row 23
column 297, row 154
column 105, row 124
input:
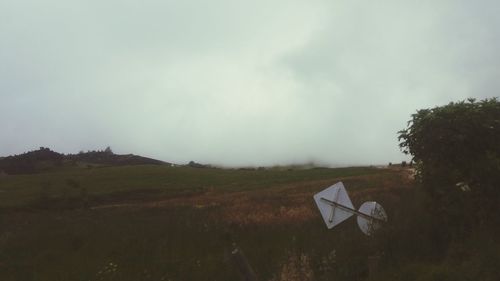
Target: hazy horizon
column 312, row 164
column 238, row 83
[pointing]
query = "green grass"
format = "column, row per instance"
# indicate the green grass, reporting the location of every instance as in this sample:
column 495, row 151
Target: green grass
column 19, row 190
column 180, row 244
column 168, row 243
column 187, row 242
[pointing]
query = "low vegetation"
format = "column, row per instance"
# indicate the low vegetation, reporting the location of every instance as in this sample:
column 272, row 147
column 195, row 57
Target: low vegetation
column 152, row 222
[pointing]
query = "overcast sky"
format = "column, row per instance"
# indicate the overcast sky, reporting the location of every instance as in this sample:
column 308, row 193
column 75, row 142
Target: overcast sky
column 237, row 82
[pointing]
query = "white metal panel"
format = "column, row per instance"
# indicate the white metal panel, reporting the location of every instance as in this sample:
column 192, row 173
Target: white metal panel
column 334, row 215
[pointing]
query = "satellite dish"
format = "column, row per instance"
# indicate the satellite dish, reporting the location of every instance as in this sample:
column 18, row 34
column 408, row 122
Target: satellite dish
column 335, row 207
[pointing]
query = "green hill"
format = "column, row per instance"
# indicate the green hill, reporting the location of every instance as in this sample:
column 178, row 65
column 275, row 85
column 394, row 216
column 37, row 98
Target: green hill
column 45, row 159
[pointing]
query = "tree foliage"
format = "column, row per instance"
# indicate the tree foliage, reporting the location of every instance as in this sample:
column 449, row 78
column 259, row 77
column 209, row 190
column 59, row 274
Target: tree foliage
column 30, row 162
column 456, row 149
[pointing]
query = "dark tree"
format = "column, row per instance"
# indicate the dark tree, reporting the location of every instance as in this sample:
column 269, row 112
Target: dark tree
column 456, row 152
column 108, row 150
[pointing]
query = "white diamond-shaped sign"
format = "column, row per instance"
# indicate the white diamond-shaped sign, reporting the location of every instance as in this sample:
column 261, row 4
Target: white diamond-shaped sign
column 333, row 215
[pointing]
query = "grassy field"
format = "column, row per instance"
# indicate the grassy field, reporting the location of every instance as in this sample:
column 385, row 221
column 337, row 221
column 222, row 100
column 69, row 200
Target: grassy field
column 179, row 223
column 21, row 190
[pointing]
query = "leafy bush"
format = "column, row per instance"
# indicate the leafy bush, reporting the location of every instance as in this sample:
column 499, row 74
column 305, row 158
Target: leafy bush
column 456, row 149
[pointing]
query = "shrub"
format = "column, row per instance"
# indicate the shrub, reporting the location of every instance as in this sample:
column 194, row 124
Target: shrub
column 456, row 151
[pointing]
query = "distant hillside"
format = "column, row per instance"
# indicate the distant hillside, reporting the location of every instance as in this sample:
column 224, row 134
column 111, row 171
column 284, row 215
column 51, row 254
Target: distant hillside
column 44, row 159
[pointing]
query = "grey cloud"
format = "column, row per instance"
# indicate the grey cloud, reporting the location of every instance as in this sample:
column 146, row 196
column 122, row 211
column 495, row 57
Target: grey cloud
column 237, row 82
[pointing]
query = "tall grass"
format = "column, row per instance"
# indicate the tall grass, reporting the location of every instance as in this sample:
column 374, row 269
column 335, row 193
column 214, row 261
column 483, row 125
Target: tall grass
column 269, row 214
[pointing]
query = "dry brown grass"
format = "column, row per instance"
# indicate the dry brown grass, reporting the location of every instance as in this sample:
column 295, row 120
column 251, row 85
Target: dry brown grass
column 296, row 268
column 286, row 204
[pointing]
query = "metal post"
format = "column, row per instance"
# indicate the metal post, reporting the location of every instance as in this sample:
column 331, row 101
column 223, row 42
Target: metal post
column 373, row 262
column 345, row 208
column 241, row 263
